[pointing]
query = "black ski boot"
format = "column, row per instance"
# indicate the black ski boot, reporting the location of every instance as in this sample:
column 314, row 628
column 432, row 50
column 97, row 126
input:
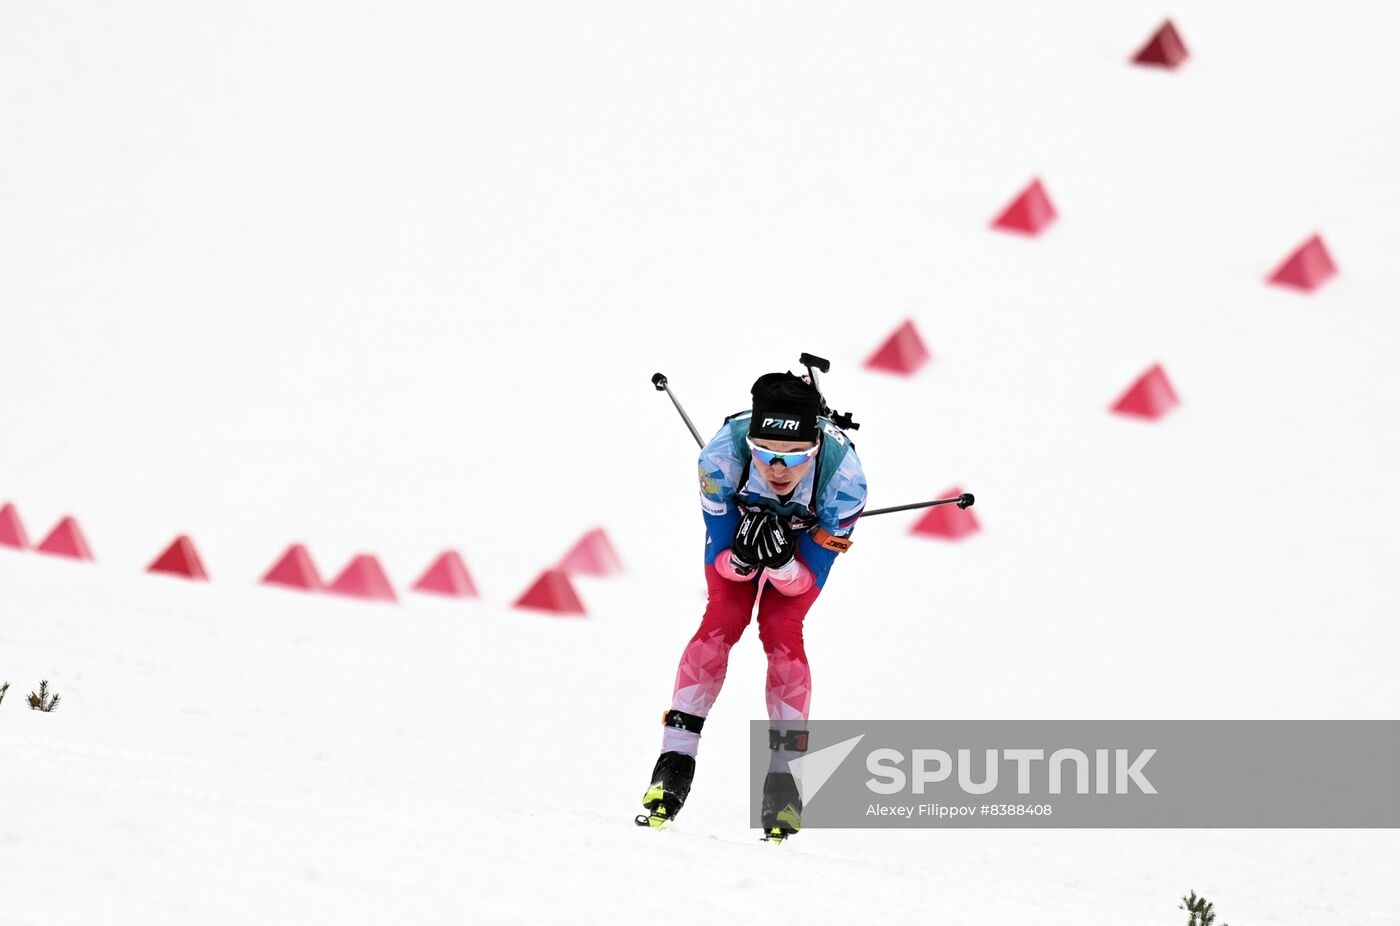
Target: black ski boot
column 782, row 807
column 670, row 785
column 670, row 780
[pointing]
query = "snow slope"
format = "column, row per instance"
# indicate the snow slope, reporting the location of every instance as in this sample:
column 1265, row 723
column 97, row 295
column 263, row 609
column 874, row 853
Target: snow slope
column 394, row 278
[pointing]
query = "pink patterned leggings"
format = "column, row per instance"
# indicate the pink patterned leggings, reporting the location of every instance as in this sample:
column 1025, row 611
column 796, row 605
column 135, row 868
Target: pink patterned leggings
column 706, row 657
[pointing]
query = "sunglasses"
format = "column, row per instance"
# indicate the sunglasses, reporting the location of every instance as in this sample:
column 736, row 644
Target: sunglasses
column 790, row 459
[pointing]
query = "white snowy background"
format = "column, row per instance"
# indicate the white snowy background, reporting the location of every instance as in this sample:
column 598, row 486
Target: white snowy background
column 393, row 277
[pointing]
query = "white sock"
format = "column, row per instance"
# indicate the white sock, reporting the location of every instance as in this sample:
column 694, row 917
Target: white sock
column 686, row 742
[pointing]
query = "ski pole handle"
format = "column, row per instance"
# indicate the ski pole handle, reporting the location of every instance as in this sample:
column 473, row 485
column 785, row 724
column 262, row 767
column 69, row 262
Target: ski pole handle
column 659, row 381
column 964, row 500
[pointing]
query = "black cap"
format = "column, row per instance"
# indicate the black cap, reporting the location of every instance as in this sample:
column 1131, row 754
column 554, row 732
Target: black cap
column 785, row 407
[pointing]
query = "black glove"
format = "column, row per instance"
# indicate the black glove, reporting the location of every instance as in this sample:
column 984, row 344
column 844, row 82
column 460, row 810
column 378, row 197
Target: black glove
column 762, row 540
column 743, row 555
column 775, row 544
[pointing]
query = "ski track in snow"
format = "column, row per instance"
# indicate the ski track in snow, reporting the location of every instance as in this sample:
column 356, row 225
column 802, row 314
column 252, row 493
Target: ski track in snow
column 298, row 756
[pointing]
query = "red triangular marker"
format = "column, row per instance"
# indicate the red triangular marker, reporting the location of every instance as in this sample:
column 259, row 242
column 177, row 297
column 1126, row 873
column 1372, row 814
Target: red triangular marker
column 294, row 570
column 447, row 576
column 552, row 592
column 12, row 529
column 593, row 555
column 947, row 522
column 1306, row 268
column 66, row 539
column 363, row 578
column 1151, row 396
column 1028, row 213
column 1165, row 49
column 180, row 559
column 902, row 353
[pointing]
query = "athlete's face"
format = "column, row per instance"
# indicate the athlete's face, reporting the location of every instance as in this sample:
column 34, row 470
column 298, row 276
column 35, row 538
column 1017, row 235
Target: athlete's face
column 782, row 479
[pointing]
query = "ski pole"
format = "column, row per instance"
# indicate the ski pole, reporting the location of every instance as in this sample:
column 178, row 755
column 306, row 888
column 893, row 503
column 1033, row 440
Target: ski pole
column 659, row 381
column 964, row 500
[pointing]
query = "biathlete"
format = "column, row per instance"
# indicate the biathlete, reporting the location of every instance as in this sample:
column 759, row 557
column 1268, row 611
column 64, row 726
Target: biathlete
column 781, row 488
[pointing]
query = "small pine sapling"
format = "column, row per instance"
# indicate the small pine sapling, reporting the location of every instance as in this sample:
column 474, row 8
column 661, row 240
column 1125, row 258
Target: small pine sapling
column 4, row 688
column 43, row 701
column 1202, row 911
